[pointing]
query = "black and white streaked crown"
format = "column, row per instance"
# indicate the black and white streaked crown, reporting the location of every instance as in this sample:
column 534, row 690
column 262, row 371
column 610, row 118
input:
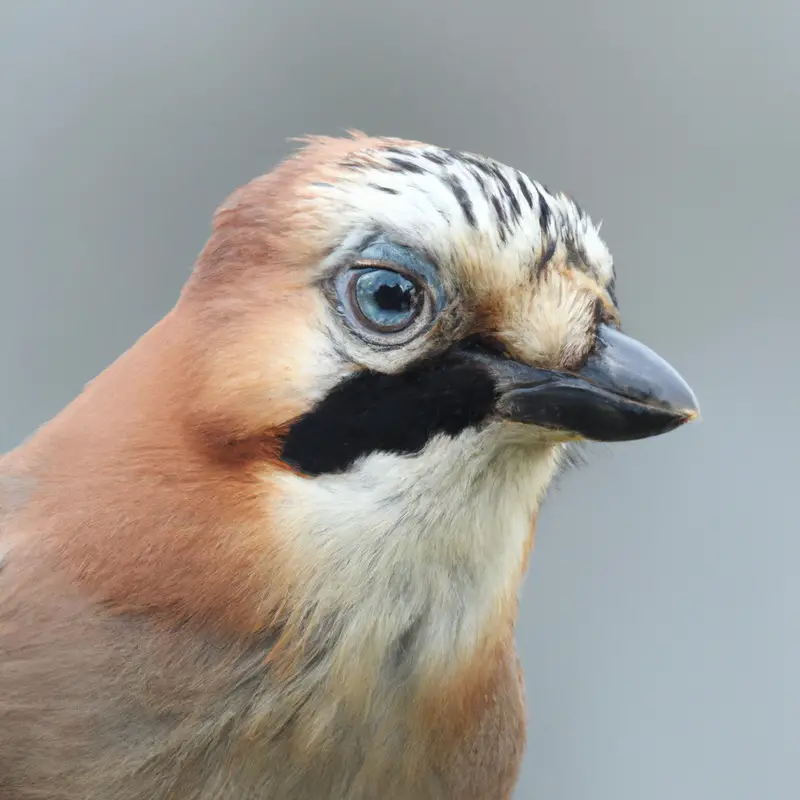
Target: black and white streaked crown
column 439, row 195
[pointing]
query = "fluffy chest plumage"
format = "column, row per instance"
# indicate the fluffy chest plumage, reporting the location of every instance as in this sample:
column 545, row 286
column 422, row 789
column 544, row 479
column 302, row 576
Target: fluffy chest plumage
column 395, row 672
column 115, row 707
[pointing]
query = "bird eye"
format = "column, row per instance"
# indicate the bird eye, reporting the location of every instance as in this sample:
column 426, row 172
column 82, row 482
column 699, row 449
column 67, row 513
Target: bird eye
column 386, row 294
column 385, row 300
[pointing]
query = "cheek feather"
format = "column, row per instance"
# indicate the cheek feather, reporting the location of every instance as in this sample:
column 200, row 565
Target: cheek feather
column 148, row 519
column 268, row 366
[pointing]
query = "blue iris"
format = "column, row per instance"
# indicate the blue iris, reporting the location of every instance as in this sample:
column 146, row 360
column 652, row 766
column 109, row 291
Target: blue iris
column 386, row 299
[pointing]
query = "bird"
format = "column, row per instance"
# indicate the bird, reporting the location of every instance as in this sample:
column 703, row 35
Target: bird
column 275, row 549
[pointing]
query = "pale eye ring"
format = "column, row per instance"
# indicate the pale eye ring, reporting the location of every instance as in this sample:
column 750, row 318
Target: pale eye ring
column 384, row 300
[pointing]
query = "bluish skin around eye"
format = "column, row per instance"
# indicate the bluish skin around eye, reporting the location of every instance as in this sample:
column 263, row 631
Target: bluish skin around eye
column 384, row 250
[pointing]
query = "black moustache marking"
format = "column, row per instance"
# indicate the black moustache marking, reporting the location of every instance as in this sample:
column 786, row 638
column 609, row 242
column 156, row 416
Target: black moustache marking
column 373, row 411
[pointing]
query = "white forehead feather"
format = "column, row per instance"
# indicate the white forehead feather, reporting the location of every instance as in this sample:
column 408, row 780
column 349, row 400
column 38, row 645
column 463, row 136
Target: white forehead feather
column 458, row 205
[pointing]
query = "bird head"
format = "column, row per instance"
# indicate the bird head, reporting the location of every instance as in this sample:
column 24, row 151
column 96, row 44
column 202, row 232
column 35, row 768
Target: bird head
column 417, row 333
column 381, row 296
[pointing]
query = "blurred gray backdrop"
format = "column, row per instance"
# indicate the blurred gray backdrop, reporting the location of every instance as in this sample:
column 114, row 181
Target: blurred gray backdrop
column 659, row 626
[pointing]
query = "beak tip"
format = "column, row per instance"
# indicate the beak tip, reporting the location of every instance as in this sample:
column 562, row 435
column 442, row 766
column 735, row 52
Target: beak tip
column 690, row 409
column 680, row 398
column 691, row 415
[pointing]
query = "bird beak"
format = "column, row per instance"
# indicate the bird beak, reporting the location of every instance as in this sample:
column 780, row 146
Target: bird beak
column 624, row 391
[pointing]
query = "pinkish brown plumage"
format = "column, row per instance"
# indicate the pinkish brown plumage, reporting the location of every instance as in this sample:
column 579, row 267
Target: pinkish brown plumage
column 275, row 549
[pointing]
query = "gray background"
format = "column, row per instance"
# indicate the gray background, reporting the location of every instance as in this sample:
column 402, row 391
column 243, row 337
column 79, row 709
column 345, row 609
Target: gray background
column 659, row 623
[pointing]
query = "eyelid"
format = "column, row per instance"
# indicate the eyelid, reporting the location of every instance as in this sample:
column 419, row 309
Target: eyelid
column 389, row 252
column 365, row 264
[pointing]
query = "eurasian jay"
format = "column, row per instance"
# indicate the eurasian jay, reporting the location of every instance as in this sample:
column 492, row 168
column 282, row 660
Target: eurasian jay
column 274, row 550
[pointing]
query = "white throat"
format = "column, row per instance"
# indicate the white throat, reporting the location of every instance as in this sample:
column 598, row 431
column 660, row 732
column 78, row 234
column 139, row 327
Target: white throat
column 418, row 552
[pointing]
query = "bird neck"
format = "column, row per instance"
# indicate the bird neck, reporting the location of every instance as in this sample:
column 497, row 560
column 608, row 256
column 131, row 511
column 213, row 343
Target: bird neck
column 413, row 563
column 127, row 496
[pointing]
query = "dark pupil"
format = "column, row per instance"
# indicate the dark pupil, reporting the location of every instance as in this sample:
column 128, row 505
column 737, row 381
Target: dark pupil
column 387, row 299
column 394, row 297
